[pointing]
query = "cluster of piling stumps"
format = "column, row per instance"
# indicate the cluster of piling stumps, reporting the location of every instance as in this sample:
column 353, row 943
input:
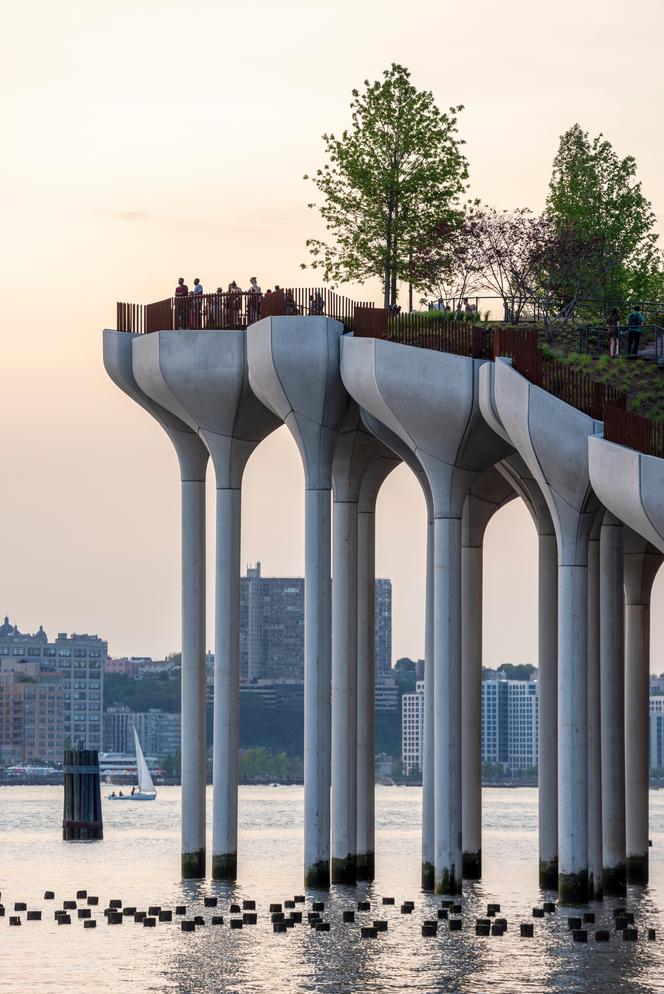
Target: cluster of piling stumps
column 290, row 913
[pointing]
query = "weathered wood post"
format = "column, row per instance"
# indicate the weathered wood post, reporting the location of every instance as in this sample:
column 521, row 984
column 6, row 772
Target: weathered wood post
column 82, row 820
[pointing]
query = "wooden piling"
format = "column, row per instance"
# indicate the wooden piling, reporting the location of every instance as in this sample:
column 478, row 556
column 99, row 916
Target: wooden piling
column 82, row 818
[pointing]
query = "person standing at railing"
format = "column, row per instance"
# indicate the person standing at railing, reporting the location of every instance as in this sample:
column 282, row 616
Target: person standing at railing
column 254, row 301
column 290, row 307
column 612, row 324
column 634, row 328
column 197, row 303
column 234, row 304
column 316, row 303
column 181, row 293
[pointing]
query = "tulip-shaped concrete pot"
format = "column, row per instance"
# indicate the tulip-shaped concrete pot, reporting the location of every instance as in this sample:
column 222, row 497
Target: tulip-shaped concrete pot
column 201, row 377
column 192, row 457
column 294, row 370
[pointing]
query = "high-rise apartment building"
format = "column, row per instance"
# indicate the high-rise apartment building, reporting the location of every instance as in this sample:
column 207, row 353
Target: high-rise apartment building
column 80, row 659
column 31, row 714
column 272, row 626
column 158, row 731
column 510, row 723
column 656, row 732
column 412, row 724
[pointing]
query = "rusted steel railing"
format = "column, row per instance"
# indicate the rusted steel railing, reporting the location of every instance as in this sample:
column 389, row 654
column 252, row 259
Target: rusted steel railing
column 569, row 385
column 506, row 340
column 130, row 317
column 634, row 430
column 426, row 332
column 234, row 309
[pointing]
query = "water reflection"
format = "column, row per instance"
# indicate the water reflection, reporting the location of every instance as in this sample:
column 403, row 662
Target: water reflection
column 138, row 862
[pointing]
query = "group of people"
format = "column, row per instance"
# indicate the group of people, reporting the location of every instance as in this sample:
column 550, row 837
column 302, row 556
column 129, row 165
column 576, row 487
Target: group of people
column 224, row 308
column 634, row 330
column 463, row 307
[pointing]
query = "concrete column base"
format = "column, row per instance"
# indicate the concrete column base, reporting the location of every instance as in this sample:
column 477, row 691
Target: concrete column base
column 595, row 886
column 193, row 865
column 449, row 883
column 614, row 880
column 365, row 866
column 471, row 865
column 428, row 876
column 573, row 887
column 317, row 875
column 224, row 867
column 548, row 874
column 344, row 871
column 637, row 869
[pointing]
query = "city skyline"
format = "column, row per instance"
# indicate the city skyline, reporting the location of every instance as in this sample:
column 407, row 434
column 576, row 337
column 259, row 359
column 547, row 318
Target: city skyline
column 99, row 219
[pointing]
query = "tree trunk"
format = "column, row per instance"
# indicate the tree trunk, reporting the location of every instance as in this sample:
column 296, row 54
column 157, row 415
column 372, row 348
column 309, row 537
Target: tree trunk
column 388, row 259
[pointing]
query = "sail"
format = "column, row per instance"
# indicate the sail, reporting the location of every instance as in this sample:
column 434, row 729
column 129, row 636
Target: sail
column 145, row 784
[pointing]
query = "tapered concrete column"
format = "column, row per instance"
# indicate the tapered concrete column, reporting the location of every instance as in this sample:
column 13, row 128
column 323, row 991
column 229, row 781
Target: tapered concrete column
column 641, row 563
column 317, row 684
column 547, row 677
column 294, row 370
column 405, row 453
column 201, row 377
column 594, row 721
column 429, row 399
column 428, row 874
column 344, row 692
column 193, row 679
column 192, row 457
column 356, row 452
column 471, row 714
column 572, row 732
column 489, row 492
column 516, row 471
column 372, row 480
column 226, row 742
column 612, row 667
column 552, row 439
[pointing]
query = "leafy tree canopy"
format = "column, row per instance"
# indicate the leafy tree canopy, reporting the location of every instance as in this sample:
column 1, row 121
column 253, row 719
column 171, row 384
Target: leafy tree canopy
column 604, row 221
column 398, row 170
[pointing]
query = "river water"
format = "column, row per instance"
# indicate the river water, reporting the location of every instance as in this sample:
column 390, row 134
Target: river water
column 138, row 862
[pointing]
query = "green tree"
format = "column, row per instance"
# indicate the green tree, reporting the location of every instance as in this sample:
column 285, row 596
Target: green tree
column 388, row 180
column 604, row 245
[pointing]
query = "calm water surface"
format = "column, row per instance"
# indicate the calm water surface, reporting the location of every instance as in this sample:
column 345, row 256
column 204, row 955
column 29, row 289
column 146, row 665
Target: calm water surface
column 138, row 862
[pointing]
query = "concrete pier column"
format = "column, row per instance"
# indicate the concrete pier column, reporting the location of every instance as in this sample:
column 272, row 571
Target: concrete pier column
column 489, row 492
column 612, row 669
column 594, row 721
column 428, row 753
column 193, row 678
column 201, row 377
column 317, row 687
column 226, row 741
column 471, row 713
column 119, row 361
column 572, row 733
column 405, row 453
column 344, row 692
column 447, row 705
column 547, row 677
column 372, row 480
column 641, row 563
column 294, row 370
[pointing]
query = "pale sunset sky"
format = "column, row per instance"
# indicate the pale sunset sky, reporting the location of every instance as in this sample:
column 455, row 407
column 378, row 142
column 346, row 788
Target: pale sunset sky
column 146, row 140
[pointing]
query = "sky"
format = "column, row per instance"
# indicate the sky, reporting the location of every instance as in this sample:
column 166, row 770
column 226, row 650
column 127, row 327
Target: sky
column 148, row 140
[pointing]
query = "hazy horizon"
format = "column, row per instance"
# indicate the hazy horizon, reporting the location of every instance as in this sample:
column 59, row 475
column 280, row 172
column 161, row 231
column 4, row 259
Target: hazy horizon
column 147, row 143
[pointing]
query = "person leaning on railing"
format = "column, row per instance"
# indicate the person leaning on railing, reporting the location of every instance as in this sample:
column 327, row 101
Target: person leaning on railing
column 316, row 303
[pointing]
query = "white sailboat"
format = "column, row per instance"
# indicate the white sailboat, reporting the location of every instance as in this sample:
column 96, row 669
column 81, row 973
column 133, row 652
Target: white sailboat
column 146, row 789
